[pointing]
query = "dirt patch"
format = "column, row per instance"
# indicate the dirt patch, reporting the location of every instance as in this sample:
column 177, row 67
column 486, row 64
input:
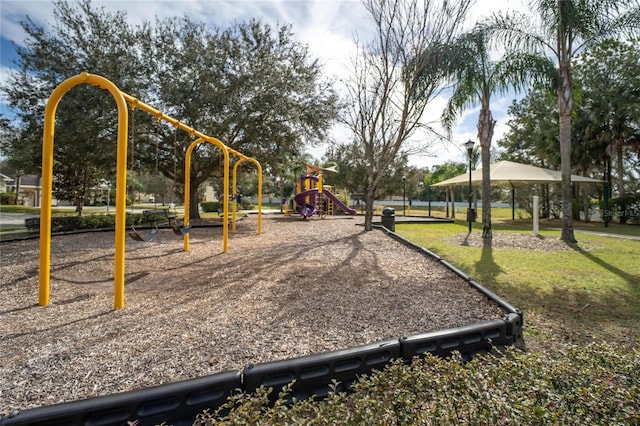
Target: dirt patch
column 515, row 240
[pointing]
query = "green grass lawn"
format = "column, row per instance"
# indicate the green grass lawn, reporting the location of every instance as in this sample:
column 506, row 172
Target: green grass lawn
column 19, row 209
column 55, row 211
column 589, row 292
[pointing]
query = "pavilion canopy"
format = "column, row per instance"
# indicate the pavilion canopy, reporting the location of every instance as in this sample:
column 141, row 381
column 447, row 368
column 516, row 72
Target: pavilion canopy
column 508, row 173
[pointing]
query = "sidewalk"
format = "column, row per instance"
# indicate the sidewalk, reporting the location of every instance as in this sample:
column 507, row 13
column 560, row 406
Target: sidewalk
column 13, row 220
column 604, row 234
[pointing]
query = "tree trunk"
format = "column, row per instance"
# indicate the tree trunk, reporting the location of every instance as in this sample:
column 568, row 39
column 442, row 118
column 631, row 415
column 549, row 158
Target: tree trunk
column 620, row 165
column 194, row 208
column 486, row 124
column 565, row 106
column 368, row 211
column 79, row 205
column 18, row 178
column 565, row 173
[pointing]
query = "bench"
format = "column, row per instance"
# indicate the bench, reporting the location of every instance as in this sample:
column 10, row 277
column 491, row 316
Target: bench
column 153, row 216
column 156, row 214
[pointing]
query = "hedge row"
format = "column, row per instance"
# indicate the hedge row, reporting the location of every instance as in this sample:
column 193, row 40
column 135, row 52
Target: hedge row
column 92, row 221
column 626, row 209
column 214, row 206
column 210, row 206
column 597, row 384
column 7, row 198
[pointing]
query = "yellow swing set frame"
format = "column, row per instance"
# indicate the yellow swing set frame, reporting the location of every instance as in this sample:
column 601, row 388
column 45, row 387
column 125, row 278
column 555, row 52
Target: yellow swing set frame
column 121, row 100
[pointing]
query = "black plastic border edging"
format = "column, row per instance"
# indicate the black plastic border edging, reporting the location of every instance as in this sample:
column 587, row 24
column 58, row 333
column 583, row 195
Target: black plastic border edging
column 468, row 340
column 314, row 374
column 515, row 317
column 179, row 403
column 175, row 403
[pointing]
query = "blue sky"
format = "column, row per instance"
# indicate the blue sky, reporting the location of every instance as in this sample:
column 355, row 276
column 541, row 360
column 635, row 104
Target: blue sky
column 328, row 27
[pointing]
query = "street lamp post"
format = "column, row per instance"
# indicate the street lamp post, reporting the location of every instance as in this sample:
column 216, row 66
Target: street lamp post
column 470, row 213
column 108, row 194
column 421, row 185
column 404, row 195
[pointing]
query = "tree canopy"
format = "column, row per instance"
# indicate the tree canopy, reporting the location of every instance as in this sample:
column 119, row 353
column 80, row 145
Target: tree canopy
column 251, row 86
column 608, row 77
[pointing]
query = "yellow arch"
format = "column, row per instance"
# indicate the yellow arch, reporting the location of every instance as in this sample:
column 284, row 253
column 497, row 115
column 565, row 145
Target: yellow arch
column 187, row 188
column 235, row 189
column 47, row 178
column 225, row 203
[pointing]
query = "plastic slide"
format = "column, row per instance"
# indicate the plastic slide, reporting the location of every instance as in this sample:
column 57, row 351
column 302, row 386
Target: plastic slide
column 339, row 203
column 299, row 198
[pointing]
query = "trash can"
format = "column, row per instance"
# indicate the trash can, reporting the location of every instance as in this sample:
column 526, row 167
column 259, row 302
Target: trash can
column 389, row 219
column 471, row 215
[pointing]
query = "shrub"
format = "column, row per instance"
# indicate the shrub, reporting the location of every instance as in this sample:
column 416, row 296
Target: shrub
column 7, row 199
column 93, row 221
column 577, row 208
column 210, row 206
column 626, row 208
column 58, row 223
column 32, row 223
column 245, row 204
column 98, row 221
column 597, row 384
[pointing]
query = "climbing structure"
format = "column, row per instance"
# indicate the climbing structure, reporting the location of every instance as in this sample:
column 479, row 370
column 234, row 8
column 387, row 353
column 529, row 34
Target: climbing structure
column 313, row 197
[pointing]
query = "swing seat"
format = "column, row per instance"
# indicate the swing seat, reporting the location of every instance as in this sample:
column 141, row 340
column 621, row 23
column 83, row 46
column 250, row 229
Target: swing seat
column 144, row 238
column 180, row 230
column 308, row 210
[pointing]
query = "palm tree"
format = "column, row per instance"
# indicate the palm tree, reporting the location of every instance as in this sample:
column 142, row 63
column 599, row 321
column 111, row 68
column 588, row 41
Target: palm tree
column 566, row 28
column 476, row 78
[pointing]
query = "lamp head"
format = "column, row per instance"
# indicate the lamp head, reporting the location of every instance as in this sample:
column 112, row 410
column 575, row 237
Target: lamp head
column 469, row 145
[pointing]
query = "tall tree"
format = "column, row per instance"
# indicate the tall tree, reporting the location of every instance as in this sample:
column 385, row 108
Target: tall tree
column 609, row 76
column 81, row 38
column 476, row 77
column 386, row 99
column 532, row 135
column 251, row 86
column 565, row 28
column 16, row 161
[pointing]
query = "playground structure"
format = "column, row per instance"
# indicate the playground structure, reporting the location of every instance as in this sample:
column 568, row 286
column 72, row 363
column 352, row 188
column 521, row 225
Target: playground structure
column 312, row 197
column 121, row 100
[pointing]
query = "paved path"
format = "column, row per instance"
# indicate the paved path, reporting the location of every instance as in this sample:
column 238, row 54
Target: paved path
column 607, row 234
column 12, row 220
